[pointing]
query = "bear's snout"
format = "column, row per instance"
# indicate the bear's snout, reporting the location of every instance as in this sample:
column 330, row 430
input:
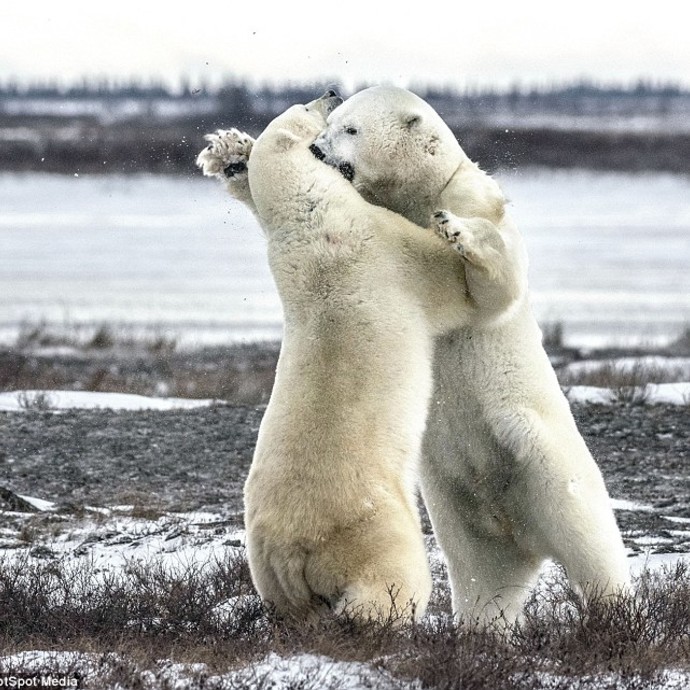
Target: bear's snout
column 334, row 95
column 332, row 101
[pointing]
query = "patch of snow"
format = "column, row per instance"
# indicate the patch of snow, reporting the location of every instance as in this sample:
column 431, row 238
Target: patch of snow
column 656, row 561
column 674, row 365
column 652, row 394
column 112, row 540
column 625, row 504
column 665, row 680
column 653, row 540
column 273, row 671
column 314, row 671
column 673, row 518
column 17, row 401
column 39, row 503
column 590, row 395
column 669, row 393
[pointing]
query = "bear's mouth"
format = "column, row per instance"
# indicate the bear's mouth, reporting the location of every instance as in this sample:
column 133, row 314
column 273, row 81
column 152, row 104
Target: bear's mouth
column 347, row 170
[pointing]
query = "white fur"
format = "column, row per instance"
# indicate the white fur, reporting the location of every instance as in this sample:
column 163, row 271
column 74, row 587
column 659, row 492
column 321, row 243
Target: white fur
column 330, row 501
column 506, row 476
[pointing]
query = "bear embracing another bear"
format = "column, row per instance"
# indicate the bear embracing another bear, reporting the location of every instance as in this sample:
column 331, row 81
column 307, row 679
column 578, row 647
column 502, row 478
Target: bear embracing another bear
column 330, row 501
column 506, row 477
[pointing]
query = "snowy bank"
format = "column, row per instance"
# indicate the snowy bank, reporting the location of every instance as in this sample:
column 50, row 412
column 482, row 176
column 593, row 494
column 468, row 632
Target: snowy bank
column 17, row 401
column 650, row 394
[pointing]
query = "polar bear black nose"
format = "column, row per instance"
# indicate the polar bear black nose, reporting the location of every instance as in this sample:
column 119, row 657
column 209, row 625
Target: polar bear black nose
column 317, row 152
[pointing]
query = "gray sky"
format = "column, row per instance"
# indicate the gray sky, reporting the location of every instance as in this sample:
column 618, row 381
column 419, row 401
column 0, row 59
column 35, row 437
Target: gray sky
column 351, row 41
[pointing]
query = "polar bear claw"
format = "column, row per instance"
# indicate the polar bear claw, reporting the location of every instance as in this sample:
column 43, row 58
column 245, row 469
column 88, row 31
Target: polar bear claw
column 449, row 231
column 472, row 238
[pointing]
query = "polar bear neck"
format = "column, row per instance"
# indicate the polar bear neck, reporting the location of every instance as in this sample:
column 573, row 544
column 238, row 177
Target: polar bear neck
column 470, row 193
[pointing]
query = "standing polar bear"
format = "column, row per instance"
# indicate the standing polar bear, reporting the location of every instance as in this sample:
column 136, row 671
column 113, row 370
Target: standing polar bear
column 507, row 478
column 330, row 507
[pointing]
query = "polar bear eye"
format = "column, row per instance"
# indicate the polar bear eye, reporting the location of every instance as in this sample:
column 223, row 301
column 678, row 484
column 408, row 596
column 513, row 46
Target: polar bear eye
column 350, row 130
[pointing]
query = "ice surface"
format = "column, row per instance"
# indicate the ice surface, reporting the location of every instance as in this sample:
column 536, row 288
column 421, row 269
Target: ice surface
column 608, row 255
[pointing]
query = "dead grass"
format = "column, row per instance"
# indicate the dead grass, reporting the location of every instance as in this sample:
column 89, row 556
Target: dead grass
column 101, row 337
column 681, row 346
column 114, row 360
column 210, row 615
column 629, row 383
column 108, row 358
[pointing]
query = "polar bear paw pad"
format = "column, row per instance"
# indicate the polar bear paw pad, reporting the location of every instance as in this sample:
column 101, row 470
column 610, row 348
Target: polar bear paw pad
column 226, row 154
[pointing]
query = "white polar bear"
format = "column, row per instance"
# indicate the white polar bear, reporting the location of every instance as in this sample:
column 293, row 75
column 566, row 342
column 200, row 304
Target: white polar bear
column 330, row 505
column 507, row 478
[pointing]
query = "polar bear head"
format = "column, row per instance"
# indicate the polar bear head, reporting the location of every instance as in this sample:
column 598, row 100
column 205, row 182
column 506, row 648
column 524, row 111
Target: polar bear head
column 399, row 153
column 300, row 122
column 282, row 172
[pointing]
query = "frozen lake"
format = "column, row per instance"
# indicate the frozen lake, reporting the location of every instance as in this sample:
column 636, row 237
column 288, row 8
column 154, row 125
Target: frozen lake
column 609, row 255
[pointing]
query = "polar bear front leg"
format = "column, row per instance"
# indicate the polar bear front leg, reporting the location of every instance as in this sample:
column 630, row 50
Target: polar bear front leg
column 494, row 275
column 226, row 158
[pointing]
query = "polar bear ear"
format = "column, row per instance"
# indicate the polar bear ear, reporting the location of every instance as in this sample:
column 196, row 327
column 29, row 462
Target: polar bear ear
column 411, row 120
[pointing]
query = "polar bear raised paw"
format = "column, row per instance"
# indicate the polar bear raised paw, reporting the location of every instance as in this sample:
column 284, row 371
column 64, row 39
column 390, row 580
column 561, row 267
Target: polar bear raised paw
column 475, row 239
column 226, row 155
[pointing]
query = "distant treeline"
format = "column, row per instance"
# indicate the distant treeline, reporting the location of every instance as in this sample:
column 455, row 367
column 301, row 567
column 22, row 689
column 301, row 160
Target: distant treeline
column 104, row 87
column 110, row 126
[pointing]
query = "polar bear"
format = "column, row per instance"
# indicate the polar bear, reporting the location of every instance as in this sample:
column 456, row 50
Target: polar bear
column 330, row 500
column 506, row 477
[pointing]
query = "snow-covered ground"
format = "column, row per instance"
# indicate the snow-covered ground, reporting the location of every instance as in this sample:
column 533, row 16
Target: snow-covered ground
column 112, row 538
column 18, row 401
column 652, row 393
column 273, row 671
column 310, row 671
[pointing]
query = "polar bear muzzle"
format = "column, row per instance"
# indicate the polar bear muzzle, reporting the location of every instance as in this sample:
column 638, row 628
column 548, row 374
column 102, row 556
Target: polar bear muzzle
column 347, row 170
column 327, row 103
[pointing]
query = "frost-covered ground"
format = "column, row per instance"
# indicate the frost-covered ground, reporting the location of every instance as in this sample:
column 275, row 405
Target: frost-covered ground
column 112, row 539
column 66, row 507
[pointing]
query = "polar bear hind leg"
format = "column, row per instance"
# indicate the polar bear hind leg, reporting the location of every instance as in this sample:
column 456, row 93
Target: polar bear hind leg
column 490, row 573
column 378, row 584
column 560, row 495
column 491, row 579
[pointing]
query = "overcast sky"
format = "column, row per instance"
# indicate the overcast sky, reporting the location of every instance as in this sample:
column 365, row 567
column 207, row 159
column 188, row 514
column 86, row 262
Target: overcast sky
column 351, row 41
